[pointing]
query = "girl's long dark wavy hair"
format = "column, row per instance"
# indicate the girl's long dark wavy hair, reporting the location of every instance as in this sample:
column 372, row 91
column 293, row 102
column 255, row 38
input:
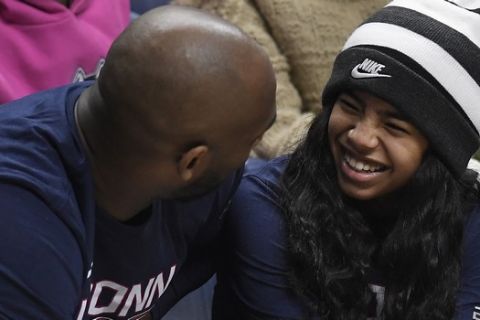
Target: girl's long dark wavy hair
column 332, row 248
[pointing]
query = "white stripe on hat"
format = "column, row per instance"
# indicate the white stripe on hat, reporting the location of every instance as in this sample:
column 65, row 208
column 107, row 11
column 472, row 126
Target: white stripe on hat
column 433, row 58
column 457, row 18
column 469, row 4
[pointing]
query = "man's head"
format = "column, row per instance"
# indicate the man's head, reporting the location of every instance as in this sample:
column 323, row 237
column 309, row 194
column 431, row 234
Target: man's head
column 184, row 96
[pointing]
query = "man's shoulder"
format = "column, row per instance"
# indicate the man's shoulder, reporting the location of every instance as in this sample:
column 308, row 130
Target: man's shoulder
column 42, row 102
column 39, row 150
column 264, row 174
column 266, row 168
column 257, row 203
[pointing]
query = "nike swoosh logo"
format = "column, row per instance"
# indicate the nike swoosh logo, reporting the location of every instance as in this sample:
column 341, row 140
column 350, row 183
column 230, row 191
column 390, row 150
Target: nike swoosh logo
column 362, row 75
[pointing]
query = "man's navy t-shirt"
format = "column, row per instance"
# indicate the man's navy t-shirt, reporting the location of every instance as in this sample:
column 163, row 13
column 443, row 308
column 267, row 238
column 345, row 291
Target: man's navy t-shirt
column 61, row 257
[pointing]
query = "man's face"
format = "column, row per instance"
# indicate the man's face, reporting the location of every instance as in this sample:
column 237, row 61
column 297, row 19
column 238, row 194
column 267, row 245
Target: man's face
column 226, row 159
column 376, row 150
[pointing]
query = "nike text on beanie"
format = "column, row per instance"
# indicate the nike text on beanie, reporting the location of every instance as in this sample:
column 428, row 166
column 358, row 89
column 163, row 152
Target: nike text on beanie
column 423, row 57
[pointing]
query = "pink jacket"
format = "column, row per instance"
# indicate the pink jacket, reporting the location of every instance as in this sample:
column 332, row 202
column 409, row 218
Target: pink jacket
column 44, row 44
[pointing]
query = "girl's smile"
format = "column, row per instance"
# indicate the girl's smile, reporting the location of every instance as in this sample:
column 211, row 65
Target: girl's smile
column 360, row 170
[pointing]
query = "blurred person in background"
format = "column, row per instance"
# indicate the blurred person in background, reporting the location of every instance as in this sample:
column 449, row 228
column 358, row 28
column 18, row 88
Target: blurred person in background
column 49, row 43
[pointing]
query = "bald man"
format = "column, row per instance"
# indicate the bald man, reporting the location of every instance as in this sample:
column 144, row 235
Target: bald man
column 111, row 192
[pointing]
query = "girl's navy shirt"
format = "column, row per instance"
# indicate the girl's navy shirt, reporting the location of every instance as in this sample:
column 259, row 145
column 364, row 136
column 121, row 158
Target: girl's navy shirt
column 253, row 284
column 61, row 257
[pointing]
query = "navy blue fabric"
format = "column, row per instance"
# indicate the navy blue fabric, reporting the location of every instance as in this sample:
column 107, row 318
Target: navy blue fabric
column 142, row 6
column 61, row 257
column 197, row 305
column 253, row 283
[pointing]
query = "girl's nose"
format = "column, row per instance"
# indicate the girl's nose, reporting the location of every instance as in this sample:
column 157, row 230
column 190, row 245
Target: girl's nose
column 363, row 137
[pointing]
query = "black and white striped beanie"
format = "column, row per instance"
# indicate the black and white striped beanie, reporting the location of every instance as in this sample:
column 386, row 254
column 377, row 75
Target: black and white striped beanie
column 423, row 57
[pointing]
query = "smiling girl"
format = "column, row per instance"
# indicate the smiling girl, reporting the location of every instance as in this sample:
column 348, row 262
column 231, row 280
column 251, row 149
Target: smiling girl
column 374, row 215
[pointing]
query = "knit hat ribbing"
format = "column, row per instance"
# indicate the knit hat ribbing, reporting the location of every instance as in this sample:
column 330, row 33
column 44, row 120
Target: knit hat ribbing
column 422, row 56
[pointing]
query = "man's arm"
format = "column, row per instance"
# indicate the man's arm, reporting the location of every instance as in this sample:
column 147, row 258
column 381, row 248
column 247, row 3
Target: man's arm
column 254, row 281
column 41, row 267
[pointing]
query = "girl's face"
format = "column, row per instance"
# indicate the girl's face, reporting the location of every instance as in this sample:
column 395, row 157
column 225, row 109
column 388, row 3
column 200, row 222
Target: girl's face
column 376, row 151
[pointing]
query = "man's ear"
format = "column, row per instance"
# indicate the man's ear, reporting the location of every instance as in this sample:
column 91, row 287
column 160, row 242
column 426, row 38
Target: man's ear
column 193, row 162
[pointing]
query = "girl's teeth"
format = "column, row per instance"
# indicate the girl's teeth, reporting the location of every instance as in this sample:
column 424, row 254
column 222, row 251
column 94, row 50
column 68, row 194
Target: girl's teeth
column 357, row 165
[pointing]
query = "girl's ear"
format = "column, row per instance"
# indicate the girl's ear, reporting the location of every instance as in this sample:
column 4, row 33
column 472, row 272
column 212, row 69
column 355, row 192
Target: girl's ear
column 193, row 163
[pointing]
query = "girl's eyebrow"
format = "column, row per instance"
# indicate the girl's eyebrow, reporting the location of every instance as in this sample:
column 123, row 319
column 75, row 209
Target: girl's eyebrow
column 387, row 113
column 393, row 114
column 357, row 99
